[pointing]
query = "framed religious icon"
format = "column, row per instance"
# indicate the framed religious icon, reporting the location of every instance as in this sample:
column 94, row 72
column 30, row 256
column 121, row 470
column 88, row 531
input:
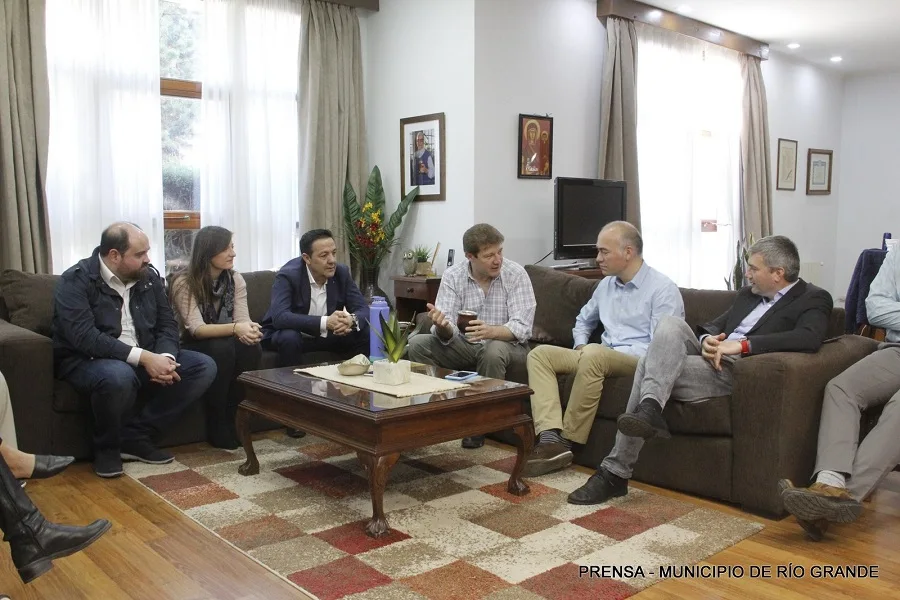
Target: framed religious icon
column 786, row 177
column 422, row 158
column 818, row 172
column 535, row 159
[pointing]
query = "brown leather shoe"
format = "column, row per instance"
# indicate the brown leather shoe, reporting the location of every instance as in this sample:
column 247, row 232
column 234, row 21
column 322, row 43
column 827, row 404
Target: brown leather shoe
column 815, row 530
column 546, row 458
column 820, row 501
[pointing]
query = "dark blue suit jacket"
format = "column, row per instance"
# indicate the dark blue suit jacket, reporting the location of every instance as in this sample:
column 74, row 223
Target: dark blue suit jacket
column 289, row 308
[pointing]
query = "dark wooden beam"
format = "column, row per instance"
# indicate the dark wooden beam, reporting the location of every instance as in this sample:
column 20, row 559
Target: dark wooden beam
column 651, row 15
column 367, row 4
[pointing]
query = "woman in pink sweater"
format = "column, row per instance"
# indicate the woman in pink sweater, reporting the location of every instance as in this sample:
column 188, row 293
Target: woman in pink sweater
column 210, row 298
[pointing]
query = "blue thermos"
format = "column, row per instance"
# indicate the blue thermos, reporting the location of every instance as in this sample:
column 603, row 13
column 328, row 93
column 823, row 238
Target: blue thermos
column 884, row 240
column 378, row 307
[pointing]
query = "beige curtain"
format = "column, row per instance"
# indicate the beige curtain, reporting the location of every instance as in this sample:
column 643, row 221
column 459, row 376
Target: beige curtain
column 618, row 113
column 756, row 180
column 24, row 133
column 332, row 115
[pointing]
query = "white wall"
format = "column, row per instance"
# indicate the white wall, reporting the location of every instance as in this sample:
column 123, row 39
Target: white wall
column 533, row 57
column 870, row 152
column 418, row 58
column 805, row 105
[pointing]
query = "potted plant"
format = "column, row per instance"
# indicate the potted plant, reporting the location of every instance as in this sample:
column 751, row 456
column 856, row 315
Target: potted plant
column 738, row 277
column 370, row 234
column 392, row 369
column 423, row 259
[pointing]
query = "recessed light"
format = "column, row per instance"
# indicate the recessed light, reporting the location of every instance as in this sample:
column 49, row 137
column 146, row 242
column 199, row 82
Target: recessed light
column 683, row 9
column 836, row 59
column 654, row 14
column 793, row 45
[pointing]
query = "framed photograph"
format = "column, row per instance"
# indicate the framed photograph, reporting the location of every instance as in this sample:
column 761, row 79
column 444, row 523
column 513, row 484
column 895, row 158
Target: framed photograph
column 818, row 172
column 786, row 177
column 535, row 147
column 422, row 157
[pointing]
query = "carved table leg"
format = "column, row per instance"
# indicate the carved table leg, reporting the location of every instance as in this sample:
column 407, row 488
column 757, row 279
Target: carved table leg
column 524, row 442
column 377, row 468
column 242, row 423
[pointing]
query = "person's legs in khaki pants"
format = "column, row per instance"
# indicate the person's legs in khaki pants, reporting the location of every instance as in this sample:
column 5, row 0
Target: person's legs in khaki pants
column 591, row 365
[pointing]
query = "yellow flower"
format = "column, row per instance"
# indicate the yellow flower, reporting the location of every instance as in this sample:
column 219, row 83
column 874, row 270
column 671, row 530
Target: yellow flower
column 376, row 217
column 367, row 206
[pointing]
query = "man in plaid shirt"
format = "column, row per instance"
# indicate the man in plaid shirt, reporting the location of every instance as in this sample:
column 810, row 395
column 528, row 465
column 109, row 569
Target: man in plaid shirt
column 499, row 292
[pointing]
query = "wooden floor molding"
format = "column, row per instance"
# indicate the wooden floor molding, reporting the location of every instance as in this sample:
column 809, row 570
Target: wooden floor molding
column 155, row 552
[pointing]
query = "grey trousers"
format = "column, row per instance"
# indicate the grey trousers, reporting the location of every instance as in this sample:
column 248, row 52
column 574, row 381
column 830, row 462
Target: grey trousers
column 489, row 359
column 672, row 369
column 871, row 382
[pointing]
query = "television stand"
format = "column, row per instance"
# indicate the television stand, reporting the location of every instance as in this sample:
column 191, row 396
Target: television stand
column 570, row 266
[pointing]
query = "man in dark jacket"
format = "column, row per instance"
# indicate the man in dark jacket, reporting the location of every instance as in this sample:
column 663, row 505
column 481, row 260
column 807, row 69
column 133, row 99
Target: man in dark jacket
column 315, row 305
column 115, row 334
column 777, row 312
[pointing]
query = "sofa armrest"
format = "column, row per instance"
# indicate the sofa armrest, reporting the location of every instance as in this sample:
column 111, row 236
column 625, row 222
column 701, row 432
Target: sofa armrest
column 776, row 406
column 26, row 361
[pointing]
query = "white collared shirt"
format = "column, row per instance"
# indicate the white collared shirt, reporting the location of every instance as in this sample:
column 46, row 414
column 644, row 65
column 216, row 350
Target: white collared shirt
column 318, row 302
column 128, row 335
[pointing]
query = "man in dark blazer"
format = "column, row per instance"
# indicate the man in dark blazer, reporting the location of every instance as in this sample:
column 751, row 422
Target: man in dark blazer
column 315, row 305
column 777, row 312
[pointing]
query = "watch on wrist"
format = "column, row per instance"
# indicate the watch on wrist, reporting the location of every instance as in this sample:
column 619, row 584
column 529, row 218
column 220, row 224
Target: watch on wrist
column 745, row 347
column 355, row 322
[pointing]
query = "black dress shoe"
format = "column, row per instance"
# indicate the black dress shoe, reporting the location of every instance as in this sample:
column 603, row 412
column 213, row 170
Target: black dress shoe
column 48, row 465
column 294, row 433
column 646, row 421
column 599, row 488
column 472, row 442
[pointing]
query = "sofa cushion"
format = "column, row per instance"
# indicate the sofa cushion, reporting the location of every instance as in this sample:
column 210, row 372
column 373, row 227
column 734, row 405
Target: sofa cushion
column 29, row 299
column 259, row 292
column 559, row 299
column 702, row 306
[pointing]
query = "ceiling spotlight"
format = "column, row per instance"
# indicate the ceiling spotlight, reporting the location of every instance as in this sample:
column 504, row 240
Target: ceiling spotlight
column 654, row 14
column 793, row 45
column 683, row 9
column 836, row 59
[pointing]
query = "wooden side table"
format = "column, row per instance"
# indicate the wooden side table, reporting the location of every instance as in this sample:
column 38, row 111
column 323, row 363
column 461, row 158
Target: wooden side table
column 412, row 293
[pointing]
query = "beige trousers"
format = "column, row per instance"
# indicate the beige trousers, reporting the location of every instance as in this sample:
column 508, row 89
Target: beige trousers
column 7, row 423
column 591, row 364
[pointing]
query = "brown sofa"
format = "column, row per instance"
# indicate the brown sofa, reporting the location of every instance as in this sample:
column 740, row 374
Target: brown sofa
column 50, row 417
column 732, row 448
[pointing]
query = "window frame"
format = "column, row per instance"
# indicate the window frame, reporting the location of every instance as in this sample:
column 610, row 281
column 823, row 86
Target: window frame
column 180, row 88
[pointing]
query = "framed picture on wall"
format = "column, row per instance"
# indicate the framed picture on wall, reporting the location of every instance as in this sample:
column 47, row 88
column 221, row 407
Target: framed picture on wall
column 786, row 177
column 535, row 157
column 818, row 171
column 422, row 159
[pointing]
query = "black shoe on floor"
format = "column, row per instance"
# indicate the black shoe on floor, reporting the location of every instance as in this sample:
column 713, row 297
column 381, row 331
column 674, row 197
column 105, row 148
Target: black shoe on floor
column 145, row 452
column 47, row 465
column 602, row 486
column 108, row 464
column 646, row 421
column 472, row 442
column 294, row 433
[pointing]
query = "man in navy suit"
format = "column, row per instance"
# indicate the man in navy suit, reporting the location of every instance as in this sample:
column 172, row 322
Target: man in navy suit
column 315, row 305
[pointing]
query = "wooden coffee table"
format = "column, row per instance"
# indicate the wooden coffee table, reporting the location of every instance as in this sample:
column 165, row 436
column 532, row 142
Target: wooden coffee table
column 379, row 427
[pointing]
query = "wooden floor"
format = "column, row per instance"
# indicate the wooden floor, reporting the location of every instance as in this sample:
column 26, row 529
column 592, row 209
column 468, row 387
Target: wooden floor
column 153, row 551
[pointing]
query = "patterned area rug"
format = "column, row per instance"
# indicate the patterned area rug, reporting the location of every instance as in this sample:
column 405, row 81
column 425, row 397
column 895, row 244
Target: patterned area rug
column 456, row 532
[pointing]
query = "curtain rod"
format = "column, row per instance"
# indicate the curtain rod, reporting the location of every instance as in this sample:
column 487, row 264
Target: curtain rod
column 367, row 4
column 657, row 17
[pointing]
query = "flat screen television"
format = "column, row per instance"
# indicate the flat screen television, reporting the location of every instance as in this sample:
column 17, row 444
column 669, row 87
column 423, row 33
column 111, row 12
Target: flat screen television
column 581, row 208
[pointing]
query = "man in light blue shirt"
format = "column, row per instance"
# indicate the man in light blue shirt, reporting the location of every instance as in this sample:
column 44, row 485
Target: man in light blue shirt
column 847, row 471
column 628, row 303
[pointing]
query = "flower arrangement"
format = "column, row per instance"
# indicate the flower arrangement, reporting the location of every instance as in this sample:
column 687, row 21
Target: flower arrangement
column 738, row 278
column 370, row 234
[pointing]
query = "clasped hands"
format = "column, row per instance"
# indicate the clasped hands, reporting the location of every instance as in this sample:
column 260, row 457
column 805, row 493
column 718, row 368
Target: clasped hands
column 248, row 333
column 476, row 330
column 714, row 347
column 340, row 322
column 160, row 368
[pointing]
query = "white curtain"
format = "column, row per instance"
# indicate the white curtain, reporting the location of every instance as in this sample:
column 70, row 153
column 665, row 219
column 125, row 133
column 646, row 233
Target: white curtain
column 105, row 157
column 689, row 98
column 249, row 180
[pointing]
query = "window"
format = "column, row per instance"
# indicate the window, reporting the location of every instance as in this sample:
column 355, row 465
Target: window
column 180, row 35
column 689, row 123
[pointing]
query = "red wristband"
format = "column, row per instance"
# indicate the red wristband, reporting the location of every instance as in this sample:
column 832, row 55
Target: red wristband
column 745, row 346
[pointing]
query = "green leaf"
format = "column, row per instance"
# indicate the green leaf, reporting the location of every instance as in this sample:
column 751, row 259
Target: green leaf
column 387, row 332
column 375, row 191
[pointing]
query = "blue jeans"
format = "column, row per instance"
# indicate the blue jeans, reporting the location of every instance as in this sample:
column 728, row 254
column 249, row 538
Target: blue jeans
column 113, row 386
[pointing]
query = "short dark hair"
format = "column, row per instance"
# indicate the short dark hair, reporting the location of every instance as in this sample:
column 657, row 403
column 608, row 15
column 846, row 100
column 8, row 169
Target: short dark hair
column 628, row 234
column 478, row 237
column 310, row 237
column 779, row 252
column 115, row 237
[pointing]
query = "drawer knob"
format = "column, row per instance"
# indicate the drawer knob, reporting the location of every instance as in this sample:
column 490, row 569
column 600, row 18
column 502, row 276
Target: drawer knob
column 410, row 290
